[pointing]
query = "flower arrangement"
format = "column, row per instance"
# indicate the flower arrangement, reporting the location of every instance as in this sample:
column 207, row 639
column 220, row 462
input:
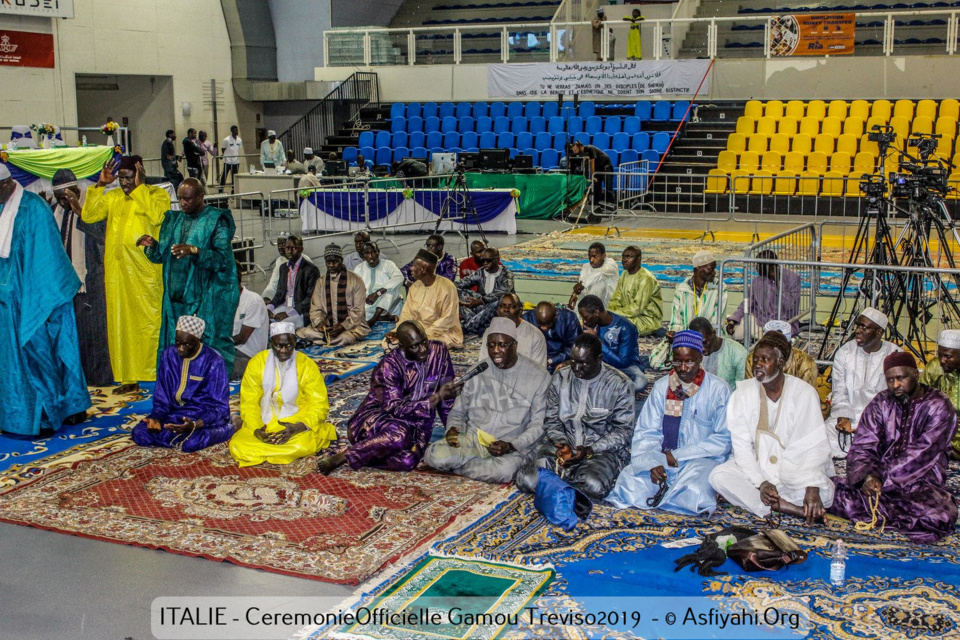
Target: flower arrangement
column 4, row 156
column 118, row 149
column 109, row 128
column 407, row 194
column 43, row 129
column 515, row 193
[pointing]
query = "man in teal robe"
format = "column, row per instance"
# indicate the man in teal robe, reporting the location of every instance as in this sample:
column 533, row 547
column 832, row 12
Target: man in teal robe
column 43, row 384
column 199, row 269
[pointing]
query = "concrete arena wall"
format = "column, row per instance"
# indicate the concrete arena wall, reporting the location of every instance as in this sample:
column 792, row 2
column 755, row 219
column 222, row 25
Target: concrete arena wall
column 846, row 78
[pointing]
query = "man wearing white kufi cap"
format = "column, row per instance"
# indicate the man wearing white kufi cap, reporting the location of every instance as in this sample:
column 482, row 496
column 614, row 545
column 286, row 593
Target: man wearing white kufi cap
column 283, row 405
column 191, row 402
column 943, row 373
column 857, row 377
column 272, row 154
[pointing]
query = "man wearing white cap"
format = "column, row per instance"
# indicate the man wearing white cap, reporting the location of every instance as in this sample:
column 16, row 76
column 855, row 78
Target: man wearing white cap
column 191, row 402
column 799, row 363
column 283, row 405
column 310, row 160
column 943, row 373
column 857, row 377
column 272, row 154
column 497, row 420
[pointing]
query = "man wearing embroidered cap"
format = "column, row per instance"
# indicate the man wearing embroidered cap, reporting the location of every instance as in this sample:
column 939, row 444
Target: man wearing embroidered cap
column 943, row 373
column 337, row 309
column 497, row 420
column 897, row 464
column 857, row 377
column 43, row 383
column 272, row 154
column 799, row 363
column 191, row 402
column 283, row 405
column 134, row 285
column 681, row 436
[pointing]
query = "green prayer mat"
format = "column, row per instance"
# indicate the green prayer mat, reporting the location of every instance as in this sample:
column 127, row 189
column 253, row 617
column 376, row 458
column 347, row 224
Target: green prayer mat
column 453, row 598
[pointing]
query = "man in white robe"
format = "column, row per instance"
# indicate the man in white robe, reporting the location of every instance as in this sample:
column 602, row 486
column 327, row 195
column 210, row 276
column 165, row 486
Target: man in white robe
column 383, row 280
column 857, row 377
column 598, row 277
column 530, row 341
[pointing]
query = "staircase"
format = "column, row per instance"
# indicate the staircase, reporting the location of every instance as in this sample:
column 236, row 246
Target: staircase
column 371, row 117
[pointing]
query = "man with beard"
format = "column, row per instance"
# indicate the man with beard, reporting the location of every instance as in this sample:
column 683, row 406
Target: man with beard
column 337, row 314
column 382, row 281
column 637, row 296
column 943, row 373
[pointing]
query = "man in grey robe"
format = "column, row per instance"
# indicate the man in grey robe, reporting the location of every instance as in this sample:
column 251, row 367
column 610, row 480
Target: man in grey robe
column 497, row 421
column 530, row 340
column 588, row 425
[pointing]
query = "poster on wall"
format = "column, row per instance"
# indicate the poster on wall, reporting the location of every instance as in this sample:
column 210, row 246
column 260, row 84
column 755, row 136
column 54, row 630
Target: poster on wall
column 818, row 34
column 628, row 79
column 45, row 8
column 23, row 49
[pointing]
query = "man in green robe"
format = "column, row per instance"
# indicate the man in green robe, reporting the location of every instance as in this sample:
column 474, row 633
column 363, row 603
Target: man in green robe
column 637, row 296
column 943, row 373
column 199, row 269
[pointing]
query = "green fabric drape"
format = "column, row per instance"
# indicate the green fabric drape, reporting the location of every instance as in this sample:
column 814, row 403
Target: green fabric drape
column 541, row 196
column 83, row 161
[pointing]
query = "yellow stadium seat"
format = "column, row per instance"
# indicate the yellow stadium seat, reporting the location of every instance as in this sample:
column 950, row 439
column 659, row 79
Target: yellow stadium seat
column 802, row 143
column 847, row 143
column 749, row 162
column 817, row 109
column 873, row 121
column 771, row 161
column 767, row 126
column 716, row 182
column 837, row 109
column 944, row 147
column 824, row 143
column 785, row 183
column 833, row 183
column 808, row 184
column 746, row 125
column 901, row 127
column 773, row 109
column 795, row 109
column 882, row 109
column 739, row 182
column 787, row 126
column 859, row 109
column 832, row 125
column 840, row 162
column 762, row 184
column 867, row 145
column 757, row 142
column 946, row 126
column 794, row 161
column 949, row 108
column 926, row 109
column 853, row 184
column 780, row 143
column 922, row 124
column 817, row 162
column 853, row 126
column 753, row 109
column 809, row 126
column 865, row 162
column 903, row 109
column 737, row 142
column 953, row 181
column 727, row 161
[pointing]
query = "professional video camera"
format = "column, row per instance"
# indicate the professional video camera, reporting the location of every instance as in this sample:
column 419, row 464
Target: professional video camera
column 882, row 134
column 874, row 186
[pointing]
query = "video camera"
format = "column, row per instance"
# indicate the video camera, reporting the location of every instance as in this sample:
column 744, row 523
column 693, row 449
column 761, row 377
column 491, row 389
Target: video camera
column 882, row 134
column 874, row 186
column 919, row 181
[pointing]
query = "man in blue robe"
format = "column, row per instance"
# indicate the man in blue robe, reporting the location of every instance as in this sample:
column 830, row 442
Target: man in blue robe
column 191, row 402
column 43, row 383
column 680, row 437
column 560, row 327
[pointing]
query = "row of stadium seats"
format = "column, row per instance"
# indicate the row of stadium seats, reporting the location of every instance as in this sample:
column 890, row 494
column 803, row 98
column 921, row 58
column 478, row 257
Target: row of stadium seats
column 862, row 109
column 618, row 142
column 785, row 182
column 658, row 110
column 594, row 124
column 545, row 158
column 815, row 162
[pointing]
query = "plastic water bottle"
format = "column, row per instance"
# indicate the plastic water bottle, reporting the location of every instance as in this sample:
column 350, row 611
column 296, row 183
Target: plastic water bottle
column 838, row 564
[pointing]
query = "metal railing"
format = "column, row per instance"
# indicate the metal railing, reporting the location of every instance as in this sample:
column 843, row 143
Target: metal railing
column 249, row 235
column 338, row 107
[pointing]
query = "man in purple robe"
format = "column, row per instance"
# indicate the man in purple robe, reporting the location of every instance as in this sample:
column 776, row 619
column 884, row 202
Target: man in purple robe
column 411, row 386
column 774, row 295
column 191, row 408
column 897, row 464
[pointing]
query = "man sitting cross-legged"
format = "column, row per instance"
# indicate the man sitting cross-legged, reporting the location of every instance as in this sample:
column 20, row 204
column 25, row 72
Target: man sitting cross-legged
column 588, row 423
column 560, row 328
column 943, row 373
column 781, row 458
column 497, row 419
column 432, row 302
column 493, row 281
column 191, row 402
column 337, row 313
column 618, row 336
column 637, row 296
column 382, row 280
column 897, row 464
column 409, row 388
column 680, row 437
column 799, row 363
column 283, row 405
column 530, row 341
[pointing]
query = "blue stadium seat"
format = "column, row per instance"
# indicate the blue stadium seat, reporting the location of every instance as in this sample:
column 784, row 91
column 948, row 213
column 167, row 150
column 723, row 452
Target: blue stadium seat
column 560, row 141
column 463, row 109
column 398, row 110
column 434, row 139
column 660, row 142
column 555, row 124
column 518, row 124
column 574, row 125
column 417, row 139
column 542, row 140
column 488, row 140
column 497, row 109
column 399, row 153
column 366, row 139
column 451, row 139
column 582, row 138
column 601, row 140
column 399, row 139
column 434, row 150
column 524, row 140
column 414, row 109
column 530, row 151
column 467, row 123
column 414, row 123
column 454, row 150
column 382, row 139
column 501, row 124
column 513, row 152
column 641, row 141
column 567, row 111
column 620, row 141
column 537, row 124
column 631, row 125
column 446, row 109
column 384, row 155
column 594, row 124
column 531, row 110
column 448, row 124
column 652, row 158
column 549, row 110
column 643, row 110
column 614, row 157
column 398, row 124
column 613, row 125
column 628, row 155
column 481, row 109
column 484, row 123
column 587, row 109
column 431, row 123
column 369, row 153
column 469, row 140
column 661, row 111
column 514, row 110
column 549, row 158
column 350, row 155
column 429, row 110
column 505, row 140
column 680, row 110
column 419, row 152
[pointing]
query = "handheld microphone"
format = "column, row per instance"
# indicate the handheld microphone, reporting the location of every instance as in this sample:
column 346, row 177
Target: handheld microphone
column 477, row 370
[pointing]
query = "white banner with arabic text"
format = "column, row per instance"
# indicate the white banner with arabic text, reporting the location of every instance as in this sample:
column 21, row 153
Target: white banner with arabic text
column 634, row 79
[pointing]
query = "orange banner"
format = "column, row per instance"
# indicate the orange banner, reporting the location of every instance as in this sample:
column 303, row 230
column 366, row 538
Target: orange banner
column 815, row 34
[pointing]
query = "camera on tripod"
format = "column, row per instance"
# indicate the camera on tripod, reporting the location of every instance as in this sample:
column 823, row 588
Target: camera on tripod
column 882, row 134
column 874, row 186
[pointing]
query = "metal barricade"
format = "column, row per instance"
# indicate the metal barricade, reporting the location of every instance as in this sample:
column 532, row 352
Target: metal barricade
column 250, row 234
column 762, row 197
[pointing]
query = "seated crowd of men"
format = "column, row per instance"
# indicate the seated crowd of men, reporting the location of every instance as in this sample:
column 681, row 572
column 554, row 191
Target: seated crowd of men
column 559, row 386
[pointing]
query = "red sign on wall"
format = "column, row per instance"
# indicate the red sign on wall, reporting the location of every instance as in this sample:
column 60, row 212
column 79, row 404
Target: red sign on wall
column 24, row 49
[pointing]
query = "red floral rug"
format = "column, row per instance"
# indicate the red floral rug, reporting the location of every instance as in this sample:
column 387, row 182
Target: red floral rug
column 285, row 519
